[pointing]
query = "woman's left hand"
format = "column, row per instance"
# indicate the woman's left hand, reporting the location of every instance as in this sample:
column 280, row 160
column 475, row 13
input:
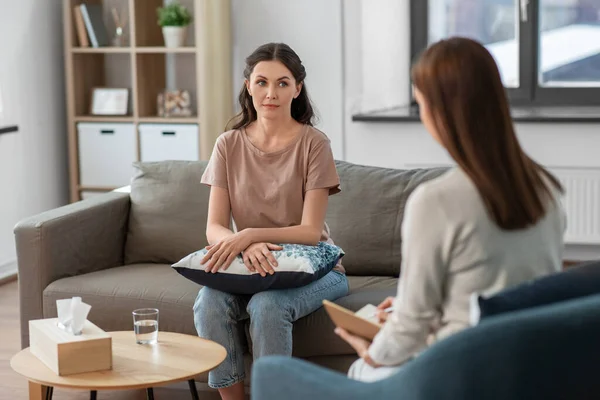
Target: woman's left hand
column 360, row 345
column 221, row 254
column 258, row 257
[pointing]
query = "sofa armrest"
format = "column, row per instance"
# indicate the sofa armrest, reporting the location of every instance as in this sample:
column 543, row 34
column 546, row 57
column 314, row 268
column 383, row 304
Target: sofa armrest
column 277, row 377
column 72, row 240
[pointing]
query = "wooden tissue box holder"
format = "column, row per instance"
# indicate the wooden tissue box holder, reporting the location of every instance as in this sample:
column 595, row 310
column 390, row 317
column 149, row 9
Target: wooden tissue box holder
column 67, row 354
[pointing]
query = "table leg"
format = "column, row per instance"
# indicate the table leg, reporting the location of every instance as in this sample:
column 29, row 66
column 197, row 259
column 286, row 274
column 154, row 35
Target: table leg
column 49, row 393
column 150, row 394
column 39, row 392
column 93, row 394
column 193, row 389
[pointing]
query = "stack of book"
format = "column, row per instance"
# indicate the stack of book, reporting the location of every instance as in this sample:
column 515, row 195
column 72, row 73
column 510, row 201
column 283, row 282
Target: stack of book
column 89, row 23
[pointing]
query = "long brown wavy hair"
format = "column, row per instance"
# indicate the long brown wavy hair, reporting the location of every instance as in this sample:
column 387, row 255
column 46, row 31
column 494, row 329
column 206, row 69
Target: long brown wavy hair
column 302, row 108
column 460, row 84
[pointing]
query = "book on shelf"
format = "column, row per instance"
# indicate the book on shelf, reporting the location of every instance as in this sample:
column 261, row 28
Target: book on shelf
column 80, row 27
column 94, row 24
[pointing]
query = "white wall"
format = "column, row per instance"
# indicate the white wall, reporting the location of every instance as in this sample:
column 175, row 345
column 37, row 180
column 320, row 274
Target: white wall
column 313, row 28
column 384, row 44
column 33, row 166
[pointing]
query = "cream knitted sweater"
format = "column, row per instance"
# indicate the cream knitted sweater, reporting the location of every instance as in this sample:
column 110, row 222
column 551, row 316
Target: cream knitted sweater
column 452, row 249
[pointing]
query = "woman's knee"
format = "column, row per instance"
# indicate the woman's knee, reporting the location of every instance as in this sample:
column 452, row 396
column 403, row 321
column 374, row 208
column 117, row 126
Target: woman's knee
column 212, row 303
column 265, row 307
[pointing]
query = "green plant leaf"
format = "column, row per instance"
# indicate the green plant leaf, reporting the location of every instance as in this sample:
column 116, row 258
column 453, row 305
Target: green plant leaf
column 173, row 14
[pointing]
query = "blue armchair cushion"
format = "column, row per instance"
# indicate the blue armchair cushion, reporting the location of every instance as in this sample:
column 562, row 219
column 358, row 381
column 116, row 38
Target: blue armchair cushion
column 549, row 352
column 577, row 281
column 298, row 265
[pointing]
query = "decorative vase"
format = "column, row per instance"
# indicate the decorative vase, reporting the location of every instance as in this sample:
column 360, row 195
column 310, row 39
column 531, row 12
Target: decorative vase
column 174, row 35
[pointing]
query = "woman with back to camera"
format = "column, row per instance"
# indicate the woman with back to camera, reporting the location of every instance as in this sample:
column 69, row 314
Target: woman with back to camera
column 493, row 221
column 273, row 173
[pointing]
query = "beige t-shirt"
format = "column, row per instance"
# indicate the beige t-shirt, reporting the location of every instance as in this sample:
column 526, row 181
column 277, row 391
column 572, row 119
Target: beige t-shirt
column 266, row 190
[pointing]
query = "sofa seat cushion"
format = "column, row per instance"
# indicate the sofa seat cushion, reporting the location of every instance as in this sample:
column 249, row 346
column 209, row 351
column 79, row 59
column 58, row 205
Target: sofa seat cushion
column 114, row 293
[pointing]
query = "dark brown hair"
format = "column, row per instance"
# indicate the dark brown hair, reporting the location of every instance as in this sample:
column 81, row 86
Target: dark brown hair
column 302, row 109
column 460, row 84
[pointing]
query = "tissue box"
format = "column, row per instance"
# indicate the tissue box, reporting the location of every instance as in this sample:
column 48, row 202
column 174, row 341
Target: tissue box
column 67, row 354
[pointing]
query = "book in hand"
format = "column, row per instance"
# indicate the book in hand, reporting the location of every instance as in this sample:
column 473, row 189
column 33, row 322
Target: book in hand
column 363, row 323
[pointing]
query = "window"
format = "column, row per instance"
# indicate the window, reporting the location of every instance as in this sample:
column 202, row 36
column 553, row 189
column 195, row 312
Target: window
column 547, row 51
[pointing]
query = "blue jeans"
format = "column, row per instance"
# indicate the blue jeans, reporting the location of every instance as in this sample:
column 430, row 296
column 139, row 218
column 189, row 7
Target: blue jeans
column 221, row 317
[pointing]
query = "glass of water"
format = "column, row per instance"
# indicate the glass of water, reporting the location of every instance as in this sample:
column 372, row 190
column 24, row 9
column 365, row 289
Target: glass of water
column 145, row 325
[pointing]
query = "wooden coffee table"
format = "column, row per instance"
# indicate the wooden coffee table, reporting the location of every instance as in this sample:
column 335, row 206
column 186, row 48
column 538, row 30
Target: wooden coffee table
column 175, row 358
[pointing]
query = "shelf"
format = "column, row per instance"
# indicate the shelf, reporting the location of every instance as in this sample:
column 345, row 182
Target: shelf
column 146, row 67
column 160, row 50
column 129, row 118
column 151, row 75
column 100, row 50
column 149, row 34
column 174, row 120
column 97, row 188
column 101, row 118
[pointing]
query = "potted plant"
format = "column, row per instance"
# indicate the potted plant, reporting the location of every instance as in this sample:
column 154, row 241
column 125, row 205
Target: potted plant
column 174, row 19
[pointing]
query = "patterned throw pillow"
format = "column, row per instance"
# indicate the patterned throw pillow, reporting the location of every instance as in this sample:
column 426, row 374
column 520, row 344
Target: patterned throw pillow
column 298, row 265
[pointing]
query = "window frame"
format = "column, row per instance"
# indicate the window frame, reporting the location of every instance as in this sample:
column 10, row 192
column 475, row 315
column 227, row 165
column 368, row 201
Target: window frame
column 529, row 92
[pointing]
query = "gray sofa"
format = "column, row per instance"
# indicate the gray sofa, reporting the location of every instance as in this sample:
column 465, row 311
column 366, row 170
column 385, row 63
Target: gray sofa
column 114, row 251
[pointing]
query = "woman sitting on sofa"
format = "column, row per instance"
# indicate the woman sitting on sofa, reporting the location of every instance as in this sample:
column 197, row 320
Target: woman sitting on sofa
column 273, row 172
column 494, row 221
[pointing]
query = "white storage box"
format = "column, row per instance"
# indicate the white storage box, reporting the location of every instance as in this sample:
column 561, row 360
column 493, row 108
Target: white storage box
column 159, row 142
column 106, row 154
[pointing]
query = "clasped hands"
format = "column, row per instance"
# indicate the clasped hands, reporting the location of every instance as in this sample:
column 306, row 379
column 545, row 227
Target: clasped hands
column 257, row 256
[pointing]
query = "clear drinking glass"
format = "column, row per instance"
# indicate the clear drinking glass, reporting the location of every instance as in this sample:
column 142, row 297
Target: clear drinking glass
column 145, row 325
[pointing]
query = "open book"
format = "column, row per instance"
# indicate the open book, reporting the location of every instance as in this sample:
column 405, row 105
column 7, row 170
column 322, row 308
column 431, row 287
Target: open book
column 363, row 323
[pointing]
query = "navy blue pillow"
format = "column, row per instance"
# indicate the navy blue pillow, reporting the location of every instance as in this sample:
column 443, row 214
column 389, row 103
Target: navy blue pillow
column 298, row 265
column 577, row 281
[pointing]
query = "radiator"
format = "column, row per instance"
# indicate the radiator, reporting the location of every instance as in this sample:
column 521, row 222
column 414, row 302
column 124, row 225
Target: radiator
column 582, row 204
column 581, row 201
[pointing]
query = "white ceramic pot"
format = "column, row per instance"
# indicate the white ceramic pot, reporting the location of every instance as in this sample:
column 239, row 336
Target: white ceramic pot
column 174, row 35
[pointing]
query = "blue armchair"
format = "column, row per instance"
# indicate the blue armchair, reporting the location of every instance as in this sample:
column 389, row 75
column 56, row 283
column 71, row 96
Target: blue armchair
column 548, row 352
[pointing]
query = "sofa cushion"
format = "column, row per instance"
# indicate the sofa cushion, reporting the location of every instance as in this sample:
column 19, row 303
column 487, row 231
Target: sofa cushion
column 298, row 265
column 114, row 293
column 168, row 212
column 577, row 281
column 366, row 217
column 169, row 208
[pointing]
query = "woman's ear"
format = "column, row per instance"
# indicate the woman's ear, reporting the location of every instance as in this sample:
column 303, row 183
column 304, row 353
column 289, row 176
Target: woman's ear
column 298, row 90
column 247, row 83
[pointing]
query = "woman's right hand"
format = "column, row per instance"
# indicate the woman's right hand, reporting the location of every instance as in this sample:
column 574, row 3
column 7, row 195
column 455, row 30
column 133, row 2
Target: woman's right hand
column 382, row 315
column 258, row 257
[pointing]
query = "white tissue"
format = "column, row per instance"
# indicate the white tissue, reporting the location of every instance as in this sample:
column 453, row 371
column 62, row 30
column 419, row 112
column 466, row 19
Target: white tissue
column 72, row 314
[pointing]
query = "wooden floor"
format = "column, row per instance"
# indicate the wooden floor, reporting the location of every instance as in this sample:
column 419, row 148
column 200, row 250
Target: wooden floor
column 14, row 386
